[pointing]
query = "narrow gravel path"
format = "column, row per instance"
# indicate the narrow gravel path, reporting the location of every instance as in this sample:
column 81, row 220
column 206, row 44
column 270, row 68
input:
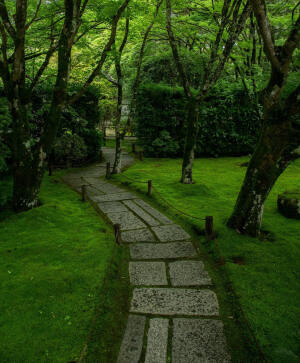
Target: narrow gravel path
column 174, row 309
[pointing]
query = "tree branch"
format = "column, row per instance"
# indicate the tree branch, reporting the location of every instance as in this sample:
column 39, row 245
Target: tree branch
column 183, row 76
column 107, row 48
column 35, row 15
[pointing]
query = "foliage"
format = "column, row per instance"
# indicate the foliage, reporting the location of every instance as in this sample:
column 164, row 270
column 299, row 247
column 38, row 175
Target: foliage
column 5, row 121
column 79, row 121
column 53, row 261
column 268, row 283
column 5, row 184
column 229, row 122
column 70, row 148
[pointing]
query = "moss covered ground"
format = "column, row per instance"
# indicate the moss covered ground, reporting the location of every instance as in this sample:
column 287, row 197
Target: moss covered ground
column 264, row 273
column 53, row 263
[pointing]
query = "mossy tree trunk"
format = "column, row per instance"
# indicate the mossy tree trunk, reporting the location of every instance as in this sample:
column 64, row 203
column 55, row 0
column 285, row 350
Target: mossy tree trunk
column 190, row 142
column 279, row 142
column 29, row 153
column 276, row 149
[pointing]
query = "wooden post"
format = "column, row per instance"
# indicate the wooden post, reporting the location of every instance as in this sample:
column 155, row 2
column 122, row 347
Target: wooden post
column 108, row 173
column 209, row 228
column 141, row 156
column 83, row 193
column 101, row 156
column 149, row 188
column 117, row 229
column 133, row 148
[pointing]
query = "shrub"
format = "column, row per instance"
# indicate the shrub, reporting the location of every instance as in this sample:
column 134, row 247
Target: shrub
column 5, row 184
column 5, row 121
column 228, row 123
column 70, row 148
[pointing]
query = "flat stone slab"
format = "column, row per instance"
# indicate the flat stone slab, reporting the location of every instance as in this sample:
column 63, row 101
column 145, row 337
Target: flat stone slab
column 155, row 213
column 115, row 197
column 109, row 189
column 198, row 341
column 148, row 251
column 188, row 273
column 127, row 220
column 107, row 207
column 148, row 273
column 132, row 343
column 138, row 235
column 170, row 233
column 93, row 191
column 174, row 301
column 141, row 213
column 157, row 342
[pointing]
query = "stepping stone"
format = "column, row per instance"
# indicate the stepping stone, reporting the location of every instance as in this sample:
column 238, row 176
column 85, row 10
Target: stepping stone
column 141, row 213
column 109, row 189
column 148, row 251
column 138, row 235
column 157, row 342
column 107, row 207
column 93, row 191
column 174, row 301
column 115, row 197
column 94, row 182
column 188, row 273
column 155, row 213
column 127, row 220
column 132, row 343
column 148, row 273
column 170, row 233
column 198, row 340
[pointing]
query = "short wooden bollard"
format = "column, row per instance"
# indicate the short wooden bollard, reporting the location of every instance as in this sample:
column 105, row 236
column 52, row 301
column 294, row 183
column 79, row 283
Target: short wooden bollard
column 149, row 188
column 101, row 156
column 108, row 172
column 209, row 228
column 83, row 193
column 133, row 148
column 141, row 155
column 117, row 229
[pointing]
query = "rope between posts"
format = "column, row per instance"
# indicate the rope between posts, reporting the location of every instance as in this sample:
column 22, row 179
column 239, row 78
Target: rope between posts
column 221, row 258
column 223, row 262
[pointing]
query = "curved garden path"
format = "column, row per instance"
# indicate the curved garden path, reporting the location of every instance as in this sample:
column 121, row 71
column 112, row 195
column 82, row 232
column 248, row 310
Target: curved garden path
column 173, row 309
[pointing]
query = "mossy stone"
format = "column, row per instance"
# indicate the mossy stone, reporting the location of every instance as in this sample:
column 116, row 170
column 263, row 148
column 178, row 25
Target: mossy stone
column 288, row 204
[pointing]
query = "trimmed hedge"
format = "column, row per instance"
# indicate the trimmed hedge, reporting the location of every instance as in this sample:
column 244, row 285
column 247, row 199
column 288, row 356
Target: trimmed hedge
column 228, row 124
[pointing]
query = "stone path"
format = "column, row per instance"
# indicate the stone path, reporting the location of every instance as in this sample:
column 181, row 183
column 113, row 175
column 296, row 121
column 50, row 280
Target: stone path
column 174, row 310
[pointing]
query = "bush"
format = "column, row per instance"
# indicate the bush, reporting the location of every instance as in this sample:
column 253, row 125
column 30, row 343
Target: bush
column 5, row 121
column 81, row 119
column 5, row 182
column 70, row 148
column 228, row 123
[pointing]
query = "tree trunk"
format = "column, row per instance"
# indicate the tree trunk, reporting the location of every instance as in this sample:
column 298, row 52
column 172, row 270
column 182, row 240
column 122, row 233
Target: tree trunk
column 190, row 143
column 118, row 155
column 276, row 148
column 26, row 187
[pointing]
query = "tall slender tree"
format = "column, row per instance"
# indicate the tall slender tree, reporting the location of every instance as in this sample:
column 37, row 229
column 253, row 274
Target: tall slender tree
column 233, row 18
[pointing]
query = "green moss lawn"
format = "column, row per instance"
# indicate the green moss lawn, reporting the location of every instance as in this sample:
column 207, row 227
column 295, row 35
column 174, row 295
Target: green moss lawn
column 267, row 277
column 53, row 260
